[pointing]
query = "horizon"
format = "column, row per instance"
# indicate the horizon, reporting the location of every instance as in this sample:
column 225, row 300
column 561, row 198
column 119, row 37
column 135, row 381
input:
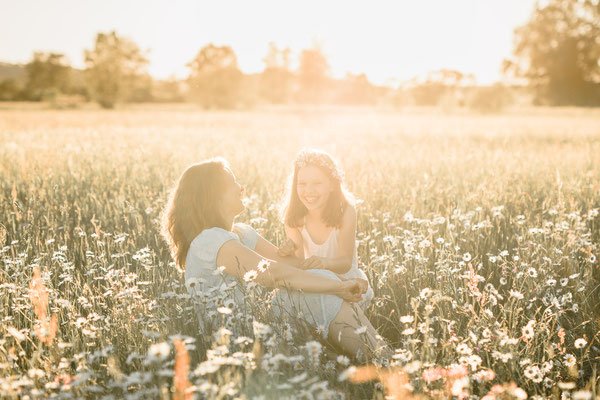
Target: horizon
column 474, row 42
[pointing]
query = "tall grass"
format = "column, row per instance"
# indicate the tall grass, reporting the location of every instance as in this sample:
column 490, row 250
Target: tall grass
column 479, row 234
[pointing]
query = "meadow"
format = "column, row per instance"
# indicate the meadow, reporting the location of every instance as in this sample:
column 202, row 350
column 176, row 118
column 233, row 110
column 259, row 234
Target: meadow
column 479, row 233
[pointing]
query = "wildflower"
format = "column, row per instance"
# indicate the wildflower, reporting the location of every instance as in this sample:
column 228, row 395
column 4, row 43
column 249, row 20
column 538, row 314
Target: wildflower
column 424, row 244
column 528, row 331
column 159, row 351
column 347, row 373
column 433, row 374
column 533, row 373
column 403, row 355
column 459, row 385
column 297, row 378
column 474, row 361
column 360, row 330
column 570, row 360
column 582, row 395
column 343, row 360
column 532, row 272
column 16, row 334
column 181, row 371
column 466, row 257
column 407, row 319
column 314, row 350
column 260, row 329
column 580, row 343
column 263, row 265
column 551, row 282
column 463, row 348
column 45, row 328
column 484, row 375
column 408, row 331
column 250, row 275
column 564, row 281
column 516, row 294
column 412, row 367
column 566, row 385
column 224, row 310
column 504, row 357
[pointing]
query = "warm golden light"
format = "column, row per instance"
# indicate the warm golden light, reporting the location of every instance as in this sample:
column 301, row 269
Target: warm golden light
column 387, row 40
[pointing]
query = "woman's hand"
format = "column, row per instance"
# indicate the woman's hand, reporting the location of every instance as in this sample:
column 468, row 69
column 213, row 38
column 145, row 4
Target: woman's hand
column 287, row 249
column 314, row 262
column 350, row 290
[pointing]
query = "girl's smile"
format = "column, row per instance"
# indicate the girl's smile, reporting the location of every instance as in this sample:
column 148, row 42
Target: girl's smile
column 313, row 187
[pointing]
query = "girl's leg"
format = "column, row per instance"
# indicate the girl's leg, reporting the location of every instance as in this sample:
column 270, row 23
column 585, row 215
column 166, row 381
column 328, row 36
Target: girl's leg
column 346, row 333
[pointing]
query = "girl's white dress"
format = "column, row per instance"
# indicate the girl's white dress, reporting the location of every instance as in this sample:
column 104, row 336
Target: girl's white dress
column 329, row 249
column 212, row 289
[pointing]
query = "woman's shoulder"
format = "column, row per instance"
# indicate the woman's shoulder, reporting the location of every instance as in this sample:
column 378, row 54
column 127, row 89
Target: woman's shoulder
column 247, row 234
column 214, row 236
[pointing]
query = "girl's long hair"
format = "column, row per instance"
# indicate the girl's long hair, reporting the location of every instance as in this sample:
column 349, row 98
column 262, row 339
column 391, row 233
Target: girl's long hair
column 293, row 211
column 193, row 206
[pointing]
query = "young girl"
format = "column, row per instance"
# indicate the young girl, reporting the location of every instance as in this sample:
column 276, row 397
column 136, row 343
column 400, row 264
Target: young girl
column 320, row 218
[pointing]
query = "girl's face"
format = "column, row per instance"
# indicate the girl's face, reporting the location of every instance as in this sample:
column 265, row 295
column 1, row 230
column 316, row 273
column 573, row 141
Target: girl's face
column 313, row 187
column 232, row 195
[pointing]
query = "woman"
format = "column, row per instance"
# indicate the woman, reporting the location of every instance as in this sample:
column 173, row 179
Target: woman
column 199, row 226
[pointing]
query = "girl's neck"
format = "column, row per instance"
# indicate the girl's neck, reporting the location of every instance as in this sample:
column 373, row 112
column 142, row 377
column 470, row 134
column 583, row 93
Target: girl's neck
column 314, row 215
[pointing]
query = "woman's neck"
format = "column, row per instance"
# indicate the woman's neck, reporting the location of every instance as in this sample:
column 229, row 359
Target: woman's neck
column 229, row 222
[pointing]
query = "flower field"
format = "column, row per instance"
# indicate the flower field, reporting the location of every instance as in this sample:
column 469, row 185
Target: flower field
column 480, row 235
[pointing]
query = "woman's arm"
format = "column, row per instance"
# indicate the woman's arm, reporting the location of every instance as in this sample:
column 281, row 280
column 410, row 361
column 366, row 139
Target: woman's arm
column 239, row 260
column 342, row 262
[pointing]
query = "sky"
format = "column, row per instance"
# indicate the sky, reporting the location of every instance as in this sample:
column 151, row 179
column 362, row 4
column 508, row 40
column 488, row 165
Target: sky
column 391, row 41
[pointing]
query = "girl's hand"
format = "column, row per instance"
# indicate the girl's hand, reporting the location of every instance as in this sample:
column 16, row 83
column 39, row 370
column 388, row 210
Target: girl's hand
column 364, row 285
column 314, row 262
column 350, row 290
column 287, row 249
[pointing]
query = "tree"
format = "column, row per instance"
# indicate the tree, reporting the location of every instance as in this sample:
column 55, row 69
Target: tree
column 215, row 79
column 558, row 52
column 313, row 75
column 115, row 69
column 47, row 75
column 356, row 89
column 438, row 87
column 9, row 90
column 276, row 79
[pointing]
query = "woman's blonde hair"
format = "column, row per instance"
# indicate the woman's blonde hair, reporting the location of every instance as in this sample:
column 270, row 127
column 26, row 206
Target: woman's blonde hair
column 293, row 210
column 193, row 206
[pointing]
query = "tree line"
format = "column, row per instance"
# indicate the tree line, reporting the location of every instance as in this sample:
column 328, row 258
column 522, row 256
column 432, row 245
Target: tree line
column 556, row 55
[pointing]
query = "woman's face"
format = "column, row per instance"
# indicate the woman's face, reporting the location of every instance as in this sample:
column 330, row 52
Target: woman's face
column 232, row 195
column 313, row 187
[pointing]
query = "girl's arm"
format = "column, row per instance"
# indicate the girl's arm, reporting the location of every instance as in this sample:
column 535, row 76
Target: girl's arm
column 269, row 251
column 343, row 260
column 241, row 262
column 294, row 235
